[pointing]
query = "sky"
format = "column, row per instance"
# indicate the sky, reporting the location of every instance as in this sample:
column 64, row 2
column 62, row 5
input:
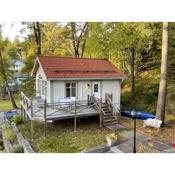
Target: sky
column 12, row 30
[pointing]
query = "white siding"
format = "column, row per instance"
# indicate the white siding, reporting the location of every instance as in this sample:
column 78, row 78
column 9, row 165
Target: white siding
column 41, row 75
column 112, row 87
column 58, row 91
column 82, row 91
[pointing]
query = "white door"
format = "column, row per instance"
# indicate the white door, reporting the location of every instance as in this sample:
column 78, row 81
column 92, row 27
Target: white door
column 96, row 89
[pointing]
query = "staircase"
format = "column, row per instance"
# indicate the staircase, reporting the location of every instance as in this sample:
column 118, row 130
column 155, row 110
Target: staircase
column 108, row 110
column 108, row 116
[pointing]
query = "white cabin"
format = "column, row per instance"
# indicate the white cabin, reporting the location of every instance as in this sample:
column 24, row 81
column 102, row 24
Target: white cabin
column 67, row 78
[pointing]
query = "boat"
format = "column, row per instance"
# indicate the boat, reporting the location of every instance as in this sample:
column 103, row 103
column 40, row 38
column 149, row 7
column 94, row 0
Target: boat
column 139, row 115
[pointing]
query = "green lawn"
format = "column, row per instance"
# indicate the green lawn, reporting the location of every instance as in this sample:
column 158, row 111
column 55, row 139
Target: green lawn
column 6, row 104
column 62, row 139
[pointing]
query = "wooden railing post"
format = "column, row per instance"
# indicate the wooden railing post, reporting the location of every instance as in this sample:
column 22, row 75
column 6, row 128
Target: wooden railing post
column 75, row 118
column 45, row 115
column 88, row 99
column 31, row 122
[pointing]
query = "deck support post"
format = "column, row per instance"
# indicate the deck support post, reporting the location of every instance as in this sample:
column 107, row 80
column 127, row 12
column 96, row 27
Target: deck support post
column 31, row 122
column 24, row 115
column 100, row 120
column 75, row 118
column 45, row 122
column 101, row 115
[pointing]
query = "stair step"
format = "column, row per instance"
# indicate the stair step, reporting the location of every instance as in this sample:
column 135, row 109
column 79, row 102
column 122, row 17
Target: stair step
column 112, row 123
column 107, row 114
column 105, row 108
column 108, row 117
column 109, row 120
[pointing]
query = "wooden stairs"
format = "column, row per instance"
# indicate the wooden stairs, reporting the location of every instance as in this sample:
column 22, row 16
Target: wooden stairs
column 109, row 118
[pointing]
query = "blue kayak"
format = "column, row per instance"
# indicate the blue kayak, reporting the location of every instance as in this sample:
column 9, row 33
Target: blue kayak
column 139, row 115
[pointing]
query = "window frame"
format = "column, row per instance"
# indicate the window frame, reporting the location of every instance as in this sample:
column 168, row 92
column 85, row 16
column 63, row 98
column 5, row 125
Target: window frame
column 72, row 85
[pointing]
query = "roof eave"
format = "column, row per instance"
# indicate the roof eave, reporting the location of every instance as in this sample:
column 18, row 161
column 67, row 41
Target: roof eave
column 89, row 78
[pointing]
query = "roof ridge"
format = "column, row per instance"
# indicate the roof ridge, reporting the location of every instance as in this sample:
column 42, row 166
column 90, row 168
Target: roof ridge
column 71, row 57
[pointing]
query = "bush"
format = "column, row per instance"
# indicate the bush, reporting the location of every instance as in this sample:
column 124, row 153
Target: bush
column 10, row 135
column 17, row 119
column 1, row 142
column 17, row 148
column 125, row 99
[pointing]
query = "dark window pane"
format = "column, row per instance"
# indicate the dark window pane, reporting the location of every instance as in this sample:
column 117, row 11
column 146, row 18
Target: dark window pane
column 67, row 85
column 73, row 84
column 73, row 92
column 95, row 87
column 67, row 92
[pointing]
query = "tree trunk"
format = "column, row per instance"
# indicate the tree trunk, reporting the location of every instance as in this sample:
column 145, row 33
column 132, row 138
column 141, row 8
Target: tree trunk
column 74, row 39
column 11, row 97
column 132, row 63
column 6, row 82
column 161, row 102
column 37, row 32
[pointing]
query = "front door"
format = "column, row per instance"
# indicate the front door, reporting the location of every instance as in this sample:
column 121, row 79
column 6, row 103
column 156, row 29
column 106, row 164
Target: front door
column 96, row 89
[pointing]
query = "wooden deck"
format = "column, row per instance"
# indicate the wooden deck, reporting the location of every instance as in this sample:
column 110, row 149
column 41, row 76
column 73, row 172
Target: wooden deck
column 33, row 109
column 53, row 114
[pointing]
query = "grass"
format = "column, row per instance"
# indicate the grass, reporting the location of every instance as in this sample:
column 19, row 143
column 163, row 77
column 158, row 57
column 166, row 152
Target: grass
column 62, row 139
column 10, row 135
column 6, row 105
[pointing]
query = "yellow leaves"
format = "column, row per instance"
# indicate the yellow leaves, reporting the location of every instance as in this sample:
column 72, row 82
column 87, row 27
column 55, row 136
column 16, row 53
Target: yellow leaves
column 112, row 136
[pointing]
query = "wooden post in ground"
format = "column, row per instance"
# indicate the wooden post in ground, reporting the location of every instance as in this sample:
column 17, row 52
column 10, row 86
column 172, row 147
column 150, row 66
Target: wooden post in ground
column 101, row 115
column 45, row 122
column 75, row 118
column 100, row 119
column 24, row 114
column 31, row 122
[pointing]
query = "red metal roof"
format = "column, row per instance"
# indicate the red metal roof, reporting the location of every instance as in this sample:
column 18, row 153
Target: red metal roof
column 70, row 67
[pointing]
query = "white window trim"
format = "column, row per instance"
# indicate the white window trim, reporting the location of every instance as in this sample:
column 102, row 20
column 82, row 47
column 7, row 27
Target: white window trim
column 71, row 88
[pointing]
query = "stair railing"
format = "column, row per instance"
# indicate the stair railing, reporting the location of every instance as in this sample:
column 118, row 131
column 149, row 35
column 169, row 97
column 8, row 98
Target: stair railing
column 115, row 111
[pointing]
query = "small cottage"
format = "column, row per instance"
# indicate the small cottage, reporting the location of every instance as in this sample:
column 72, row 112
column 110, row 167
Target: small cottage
column 68, row 79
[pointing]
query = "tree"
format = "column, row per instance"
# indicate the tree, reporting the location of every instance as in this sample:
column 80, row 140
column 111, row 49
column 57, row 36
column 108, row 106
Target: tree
column 37, row 32
column 78, row 32
column 161, row 102
column 127, row 40
column 4, row 66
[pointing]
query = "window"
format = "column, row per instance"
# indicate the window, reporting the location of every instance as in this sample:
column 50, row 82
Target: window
column 43, row 90
column 39, row 85
column 70, row 89
column 42, row 87
column 95, row 87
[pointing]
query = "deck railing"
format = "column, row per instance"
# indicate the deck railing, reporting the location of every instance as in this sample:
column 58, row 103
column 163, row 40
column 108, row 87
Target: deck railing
column 29, row 107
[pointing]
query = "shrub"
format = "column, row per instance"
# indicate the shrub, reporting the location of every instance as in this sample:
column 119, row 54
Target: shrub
column 1, row 141
column 17, row 148
column 6, row 126
column 125, row 99
column 10, row 135
column 17, row 119
column 1, row 144
column 1, row 147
